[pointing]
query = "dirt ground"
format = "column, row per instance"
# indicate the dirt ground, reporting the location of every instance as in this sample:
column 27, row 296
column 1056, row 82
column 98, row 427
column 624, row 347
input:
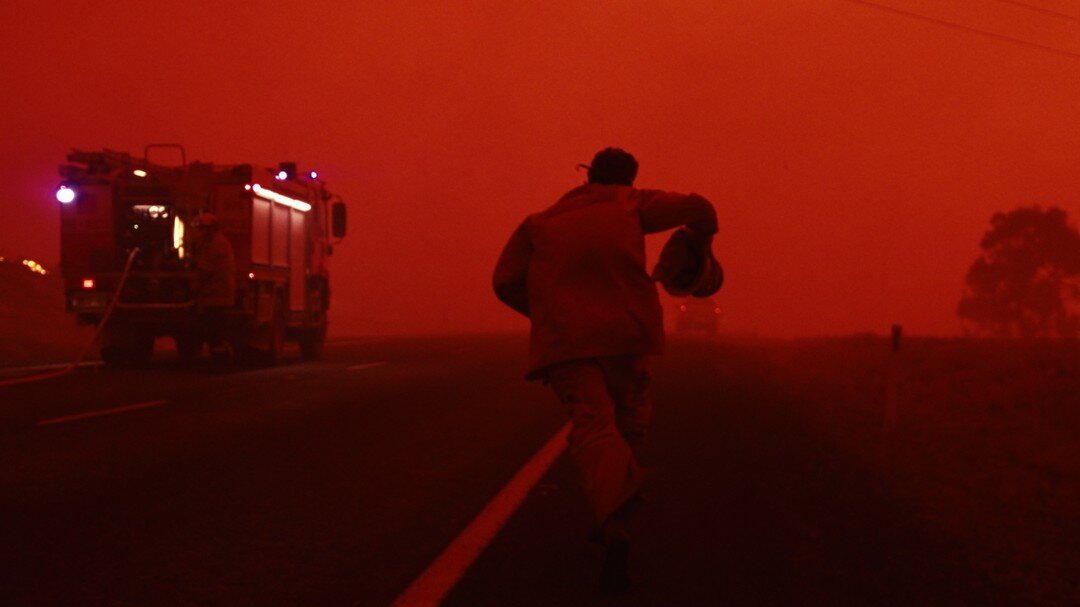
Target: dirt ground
column 982, row 436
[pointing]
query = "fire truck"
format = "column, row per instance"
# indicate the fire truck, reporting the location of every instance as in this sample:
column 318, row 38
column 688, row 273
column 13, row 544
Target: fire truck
column 126, row 251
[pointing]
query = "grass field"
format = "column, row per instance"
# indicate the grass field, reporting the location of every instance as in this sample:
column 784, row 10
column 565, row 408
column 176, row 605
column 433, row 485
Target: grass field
column 33, row 324
column 982, row 436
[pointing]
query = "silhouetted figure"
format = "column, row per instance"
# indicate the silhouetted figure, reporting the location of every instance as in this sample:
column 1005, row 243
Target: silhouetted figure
column 215, row 288
column 577, row 270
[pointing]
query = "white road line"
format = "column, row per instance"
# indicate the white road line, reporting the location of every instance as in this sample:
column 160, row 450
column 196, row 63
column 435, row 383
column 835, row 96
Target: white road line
column 439, row 578
column 6, row 370
column 114, row 410
column 367, row 365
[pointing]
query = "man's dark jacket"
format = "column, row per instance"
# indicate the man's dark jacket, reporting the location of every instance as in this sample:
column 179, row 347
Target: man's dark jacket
column 577, row 270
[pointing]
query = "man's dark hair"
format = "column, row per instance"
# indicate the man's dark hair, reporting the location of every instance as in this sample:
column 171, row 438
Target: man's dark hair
column 613, row 166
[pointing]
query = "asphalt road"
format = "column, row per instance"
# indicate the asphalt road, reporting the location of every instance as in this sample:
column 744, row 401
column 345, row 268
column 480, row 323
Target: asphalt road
column 338, row 482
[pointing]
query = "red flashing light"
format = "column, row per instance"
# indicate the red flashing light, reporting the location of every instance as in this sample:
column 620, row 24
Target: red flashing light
column 88, row 283
column 682, row 308
column 251, row 275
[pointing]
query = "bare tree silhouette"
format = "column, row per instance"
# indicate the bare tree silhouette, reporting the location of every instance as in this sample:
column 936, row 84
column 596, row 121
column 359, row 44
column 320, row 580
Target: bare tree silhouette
column 1026, row 282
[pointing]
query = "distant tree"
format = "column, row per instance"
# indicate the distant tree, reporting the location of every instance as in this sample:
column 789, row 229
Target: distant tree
column 1026, row 283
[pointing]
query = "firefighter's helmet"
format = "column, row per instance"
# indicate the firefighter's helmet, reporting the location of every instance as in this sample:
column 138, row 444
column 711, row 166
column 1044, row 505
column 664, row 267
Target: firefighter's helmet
column 205, row 220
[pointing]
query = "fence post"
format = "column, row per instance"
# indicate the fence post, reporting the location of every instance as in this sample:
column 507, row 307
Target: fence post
column 891, row 373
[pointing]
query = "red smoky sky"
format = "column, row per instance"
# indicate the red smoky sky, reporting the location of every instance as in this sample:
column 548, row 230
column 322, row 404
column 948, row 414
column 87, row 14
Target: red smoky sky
column 855, row 154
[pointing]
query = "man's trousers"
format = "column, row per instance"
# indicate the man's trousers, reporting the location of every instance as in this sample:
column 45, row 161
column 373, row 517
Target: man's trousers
column 610, row 408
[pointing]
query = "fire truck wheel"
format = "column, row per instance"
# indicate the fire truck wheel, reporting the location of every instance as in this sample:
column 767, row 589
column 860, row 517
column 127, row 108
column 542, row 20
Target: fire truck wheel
column 129, row 352
column 276, row 349
column 266, row 343
column 189, row 347
column 312, row 341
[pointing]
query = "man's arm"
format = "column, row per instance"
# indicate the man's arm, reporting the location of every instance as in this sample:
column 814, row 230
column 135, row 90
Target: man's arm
column 666, row 210
column 512, row 271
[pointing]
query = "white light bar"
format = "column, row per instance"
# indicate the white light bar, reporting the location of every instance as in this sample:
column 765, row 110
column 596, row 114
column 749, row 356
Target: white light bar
column 262, row 192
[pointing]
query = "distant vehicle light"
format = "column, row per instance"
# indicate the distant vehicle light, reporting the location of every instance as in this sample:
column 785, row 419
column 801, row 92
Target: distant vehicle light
column 281, row 176
column 34, row 266
column 65, row 195
column 314, row 175
column 247, row 187
column 139, row 173
column 88, row 283
column 251, row 275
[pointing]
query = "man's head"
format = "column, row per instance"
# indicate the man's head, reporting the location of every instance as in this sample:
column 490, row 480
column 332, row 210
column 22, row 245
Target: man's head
column 205, row 223
column 613, row 166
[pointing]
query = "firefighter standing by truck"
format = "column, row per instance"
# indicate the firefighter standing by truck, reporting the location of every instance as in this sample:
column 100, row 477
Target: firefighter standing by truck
column 215, row 285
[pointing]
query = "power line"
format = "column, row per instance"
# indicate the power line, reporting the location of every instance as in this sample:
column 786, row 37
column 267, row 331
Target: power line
column 968, row 28
column 1039, row 9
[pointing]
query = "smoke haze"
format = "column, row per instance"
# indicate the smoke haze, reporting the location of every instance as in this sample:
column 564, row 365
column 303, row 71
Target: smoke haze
column 855, row 154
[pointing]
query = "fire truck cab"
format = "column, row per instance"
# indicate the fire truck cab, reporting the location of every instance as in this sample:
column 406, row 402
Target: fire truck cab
column 282, row 226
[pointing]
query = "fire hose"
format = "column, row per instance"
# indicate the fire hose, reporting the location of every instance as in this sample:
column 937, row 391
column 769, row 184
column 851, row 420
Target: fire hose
column 97, row 333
